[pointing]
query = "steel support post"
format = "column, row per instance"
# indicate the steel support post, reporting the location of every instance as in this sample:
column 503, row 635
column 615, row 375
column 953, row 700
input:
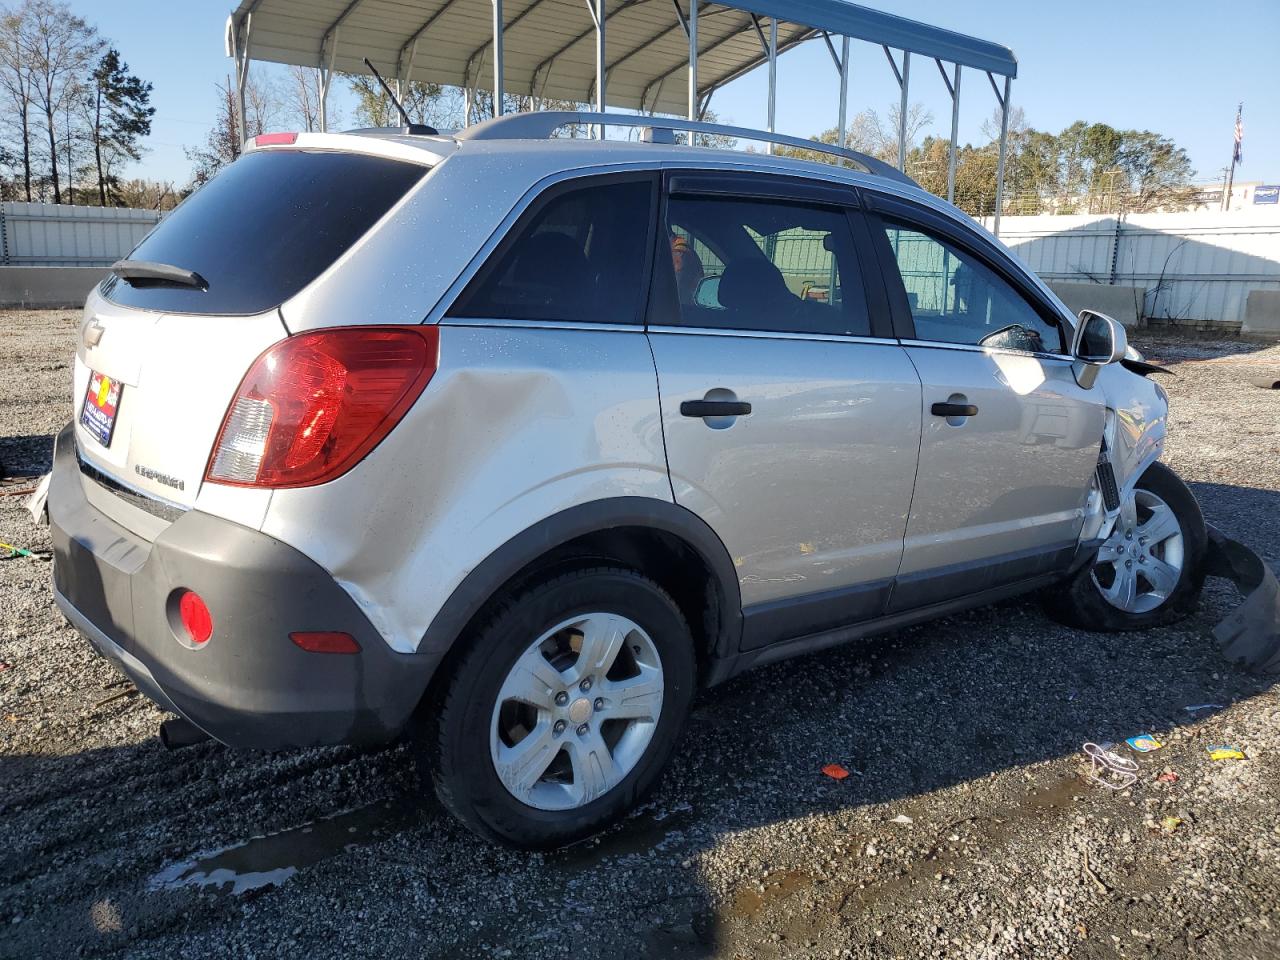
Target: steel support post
column 905, row 82
column 843, row 134
column 497, row 57
column 598, row 13
column 1004, row 150
column 773, row 77
column 693, row 62
column 955, row 136
column 240, row 48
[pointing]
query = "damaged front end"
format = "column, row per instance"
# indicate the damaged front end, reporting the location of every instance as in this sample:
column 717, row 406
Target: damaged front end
column 1133, row 439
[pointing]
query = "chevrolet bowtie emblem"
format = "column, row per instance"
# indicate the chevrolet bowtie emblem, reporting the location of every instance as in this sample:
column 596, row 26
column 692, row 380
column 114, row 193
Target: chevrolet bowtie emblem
column 93, row 332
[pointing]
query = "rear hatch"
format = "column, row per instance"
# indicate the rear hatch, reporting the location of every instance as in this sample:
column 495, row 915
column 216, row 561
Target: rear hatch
column 162, row 351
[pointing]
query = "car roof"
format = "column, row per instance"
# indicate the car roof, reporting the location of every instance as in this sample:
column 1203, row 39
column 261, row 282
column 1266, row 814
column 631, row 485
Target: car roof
column 534, row 159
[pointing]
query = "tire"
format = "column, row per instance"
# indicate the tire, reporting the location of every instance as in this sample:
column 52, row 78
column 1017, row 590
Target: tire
column 1082, row 601
column 504, row 690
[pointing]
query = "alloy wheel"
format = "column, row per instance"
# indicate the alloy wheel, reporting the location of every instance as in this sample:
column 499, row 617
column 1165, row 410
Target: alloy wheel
column 576, row 711
column 1139, row 565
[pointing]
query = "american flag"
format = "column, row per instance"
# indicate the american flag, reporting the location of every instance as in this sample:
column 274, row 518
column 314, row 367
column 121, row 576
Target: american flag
column 1238, row 155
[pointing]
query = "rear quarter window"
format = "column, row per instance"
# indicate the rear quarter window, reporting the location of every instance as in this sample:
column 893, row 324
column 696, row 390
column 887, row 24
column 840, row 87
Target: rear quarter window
column 264, row 228
column 578, row 257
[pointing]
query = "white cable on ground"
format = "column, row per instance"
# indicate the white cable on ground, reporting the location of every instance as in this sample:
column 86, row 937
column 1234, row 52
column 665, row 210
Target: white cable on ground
column 1110, row 770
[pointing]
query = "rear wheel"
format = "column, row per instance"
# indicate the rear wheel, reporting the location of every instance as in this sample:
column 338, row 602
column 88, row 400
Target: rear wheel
column 1150, row 570
column 565, row 708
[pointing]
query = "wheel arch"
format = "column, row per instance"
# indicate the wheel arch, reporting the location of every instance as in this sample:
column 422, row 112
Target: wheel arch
column 639, row 532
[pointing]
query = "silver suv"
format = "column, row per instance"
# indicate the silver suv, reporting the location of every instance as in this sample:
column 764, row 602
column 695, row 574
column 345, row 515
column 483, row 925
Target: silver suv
column 512, row 442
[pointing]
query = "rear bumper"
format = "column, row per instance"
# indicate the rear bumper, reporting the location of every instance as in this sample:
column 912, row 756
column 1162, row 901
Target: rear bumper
column 249, row 686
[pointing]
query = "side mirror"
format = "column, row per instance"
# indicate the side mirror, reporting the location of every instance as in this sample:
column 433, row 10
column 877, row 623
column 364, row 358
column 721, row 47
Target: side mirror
column 1098, row 340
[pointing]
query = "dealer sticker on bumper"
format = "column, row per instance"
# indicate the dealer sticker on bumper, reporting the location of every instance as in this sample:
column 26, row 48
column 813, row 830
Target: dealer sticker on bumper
column 101, row 400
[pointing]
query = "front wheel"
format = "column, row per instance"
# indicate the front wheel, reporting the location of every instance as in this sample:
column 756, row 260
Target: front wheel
column 565, row 708
column 1149, row 571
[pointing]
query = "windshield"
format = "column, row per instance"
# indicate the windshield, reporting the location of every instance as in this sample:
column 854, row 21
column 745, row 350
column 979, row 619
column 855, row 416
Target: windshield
column 264, row 228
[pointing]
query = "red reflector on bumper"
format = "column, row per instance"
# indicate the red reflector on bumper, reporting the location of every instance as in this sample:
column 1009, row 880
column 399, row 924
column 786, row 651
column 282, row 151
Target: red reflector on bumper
column 195, row 617
column 326, row 642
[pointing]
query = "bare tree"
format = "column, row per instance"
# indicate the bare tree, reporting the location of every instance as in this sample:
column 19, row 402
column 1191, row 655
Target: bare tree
column 262, row 106
column 1017, row 124
column 222, row 144
column 146, row 194
column 870, row 134
column 429, row 103
column 301, row 99
column 60, row 49
column 15, row 83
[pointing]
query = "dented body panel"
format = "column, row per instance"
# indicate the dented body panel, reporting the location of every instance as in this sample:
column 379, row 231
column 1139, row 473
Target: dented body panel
column 516, row 426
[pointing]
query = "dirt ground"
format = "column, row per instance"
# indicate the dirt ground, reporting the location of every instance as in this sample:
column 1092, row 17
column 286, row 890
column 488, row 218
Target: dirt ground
column 965, row 830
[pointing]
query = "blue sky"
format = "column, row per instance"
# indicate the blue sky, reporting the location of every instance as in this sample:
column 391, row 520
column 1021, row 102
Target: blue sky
column 1173, row 66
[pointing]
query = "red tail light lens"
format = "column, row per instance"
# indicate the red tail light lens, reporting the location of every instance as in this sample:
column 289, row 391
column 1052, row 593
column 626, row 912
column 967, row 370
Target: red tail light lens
column 312, row 406
column 195, row 616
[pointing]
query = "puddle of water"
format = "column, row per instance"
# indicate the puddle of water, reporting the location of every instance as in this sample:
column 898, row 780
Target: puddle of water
column 274, row 858
column 643, row 833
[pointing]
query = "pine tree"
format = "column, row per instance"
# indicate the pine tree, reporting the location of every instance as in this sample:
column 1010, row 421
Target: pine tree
column 121, row 117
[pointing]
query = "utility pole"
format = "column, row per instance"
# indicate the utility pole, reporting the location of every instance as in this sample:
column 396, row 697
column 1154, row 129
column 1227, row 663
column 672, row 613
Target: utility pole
column 1237, row 156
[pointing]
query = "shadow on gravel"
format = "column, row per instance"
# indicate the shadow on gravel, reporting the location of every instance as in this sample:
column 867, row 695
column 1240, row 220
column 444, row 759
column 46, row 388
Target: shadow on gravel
column 28, row 454
column 1252, row 512
column 932, row 707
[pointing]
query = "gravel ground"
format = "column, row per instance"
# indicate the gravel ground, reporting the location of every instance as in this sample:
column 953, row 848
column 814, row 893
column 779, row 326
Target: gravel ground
column 965, row 830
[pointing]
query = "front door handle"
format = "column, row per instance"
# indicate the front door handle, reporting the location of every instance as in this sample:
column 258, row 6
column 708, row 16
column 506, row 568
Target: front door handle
column 954, row 410
column 714, row 408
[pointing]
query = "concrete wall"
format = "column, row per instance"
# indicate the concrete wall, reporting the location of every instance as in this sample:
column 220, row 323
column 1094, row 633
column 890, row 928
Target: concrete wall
column 47, row 286
column 1262, row 315
column 1123, row 303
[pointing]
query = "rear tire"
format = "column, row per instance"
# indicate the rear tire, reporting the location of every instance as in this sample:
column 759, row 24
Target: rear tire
column 565, row 708
column 1151, row 569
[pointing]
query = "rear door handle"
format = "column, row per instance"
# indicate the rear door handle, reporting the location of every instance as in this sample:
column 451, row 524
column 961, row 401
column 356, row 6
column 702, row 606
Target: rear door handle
column 714, row 408
column 954, row 410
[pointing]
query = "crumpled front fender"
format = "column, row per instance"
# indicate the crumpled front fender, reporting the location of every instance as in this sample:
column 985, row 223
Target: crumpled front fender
column 1138, row 416
column 1136, row 421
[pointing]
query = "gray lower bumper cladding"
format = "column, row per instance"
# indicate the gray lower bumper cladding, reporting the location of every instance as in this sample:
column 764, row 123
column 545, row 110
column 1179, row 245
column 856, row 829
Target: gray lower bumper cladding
column 249, row 686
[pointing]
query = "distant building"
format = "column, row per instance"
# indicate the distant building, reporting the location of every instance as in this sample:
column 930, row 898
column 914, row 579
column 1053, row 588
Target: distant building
column 1250, row 195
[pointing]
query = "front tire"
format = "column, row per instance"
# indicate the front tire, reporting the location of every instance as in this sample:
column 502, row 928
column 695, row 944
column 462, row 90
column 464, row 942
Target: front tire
column 565, row 708
column 1150, row 570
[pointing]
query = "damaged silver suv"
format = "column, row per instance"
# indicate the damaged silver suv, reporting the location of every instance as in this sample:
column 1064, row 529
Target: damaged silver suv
column 512, row 442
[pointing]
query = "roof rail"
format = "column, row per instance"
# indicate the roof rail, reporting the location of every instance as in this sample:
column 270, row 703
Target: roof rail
column 541, row 124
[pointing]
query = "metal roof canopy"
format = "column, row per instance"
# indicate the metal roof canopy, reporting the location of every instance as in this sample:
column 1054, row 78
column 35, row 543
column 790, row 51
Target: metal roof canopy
column 555, row 49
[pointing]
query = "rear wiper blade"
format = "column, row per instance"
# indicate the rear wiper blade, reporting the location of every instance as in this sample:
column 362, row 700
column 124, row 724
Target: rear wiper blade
column 149, row 272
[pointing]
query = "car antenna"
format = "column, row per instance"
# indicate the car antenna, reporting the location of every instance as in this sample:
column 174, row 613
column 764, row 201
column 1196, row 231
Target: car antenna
column 404, row 116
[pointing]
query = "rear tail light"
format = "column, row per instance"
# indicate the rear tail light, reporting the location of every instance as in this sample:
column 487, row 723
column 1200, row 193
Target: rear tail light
column 312, row 406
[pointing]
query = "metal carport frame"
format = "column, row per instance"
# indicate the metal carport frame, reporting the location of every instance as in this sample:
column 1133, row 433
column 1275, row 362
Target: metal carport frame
column 556, row 49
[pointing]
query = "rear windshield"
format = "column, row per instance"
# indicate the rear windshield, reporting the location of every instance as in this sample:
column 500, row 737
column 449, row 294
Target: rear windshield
column 264, row 228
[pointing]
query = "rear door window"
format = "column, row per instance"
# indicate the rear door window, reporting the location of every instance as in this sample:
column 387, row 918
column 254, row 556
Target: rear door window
column 264, row 228
column 578, row 257
column 761, row 264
